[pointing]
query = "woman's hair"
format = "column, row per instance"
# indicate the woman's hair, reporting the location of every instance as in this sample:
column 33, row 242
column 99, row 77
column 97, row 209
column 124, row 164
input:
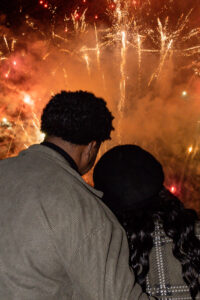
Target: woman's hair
column 113, row 175
column 178, row 224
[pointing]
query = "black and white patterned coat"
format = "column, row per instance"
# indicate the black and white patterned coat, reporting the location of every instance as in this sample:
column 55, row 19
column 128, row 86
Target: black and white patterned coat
column 165, row 276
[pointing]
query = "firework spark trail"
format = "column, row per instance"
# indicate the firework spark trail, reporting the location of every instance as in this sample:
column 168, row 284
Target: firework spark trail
column 36, row 123
column 121, row 103
column 6, row 42
column 14, row 132
column 97, row 47
column 118, row 13
column 139, row 63
column 121, row 24
column 34, row 26
column 86, row 58
column 79, row 21
column 98, row 52
column 166, row 45
column 3, row 57
column 37, row 136
column 123, row 74
column 196, row 48
column 191, row 153
column 14, row 41
column 167, row 39
column 29, row 139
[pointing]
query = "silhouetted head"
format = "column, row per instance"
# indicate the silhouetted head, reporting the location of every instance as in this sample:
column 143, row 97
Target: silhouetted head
column 77, row 117
column 130, row 178
column 77, row 122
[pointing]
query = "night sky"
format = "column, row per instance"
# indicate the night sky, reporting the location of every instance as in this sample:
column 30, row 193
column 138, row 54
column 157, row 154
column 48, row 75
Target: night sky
column 15, row 10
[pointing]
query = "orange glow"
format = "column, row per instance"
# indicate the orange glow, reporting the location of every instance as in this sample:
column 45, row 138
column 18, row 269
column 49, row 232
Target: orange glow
column 27, row 100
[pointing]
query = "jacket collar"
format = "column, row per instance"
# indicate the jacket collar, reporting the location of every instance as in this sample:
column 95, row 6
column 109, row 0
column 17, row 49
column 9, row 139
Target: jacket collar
column 61, row 160
column 63, row 153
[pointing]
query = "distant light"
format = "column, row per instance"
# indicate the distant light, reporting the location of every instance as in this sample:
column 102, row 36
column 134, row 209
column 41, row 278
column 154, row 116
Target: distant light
column 173, row 189
column 45, row 5
column 112, row 6
column 14, row 63
column 4, row 120
column 6, row 123
column 184, row 93
column 27, row 100
column 190, row 149
column 77, row 16
column 84, row 1
column 42, row 136
column 6, row 75
column 96, row 17
column 41, row 2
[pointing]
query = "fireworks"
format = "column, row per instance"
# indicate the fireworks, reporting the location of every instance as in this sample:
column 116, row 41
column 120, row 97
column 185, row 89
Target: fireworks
column 130, row 53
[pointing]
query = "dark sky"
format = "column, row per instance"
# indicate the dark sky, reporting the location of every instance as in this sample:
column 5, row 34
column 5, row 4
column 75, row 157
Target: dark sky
column 16, row 10
column 32, row 7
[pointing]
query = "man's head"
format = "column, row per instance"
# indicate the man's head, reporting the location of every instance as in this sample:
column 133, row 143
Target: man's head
column 80, row 119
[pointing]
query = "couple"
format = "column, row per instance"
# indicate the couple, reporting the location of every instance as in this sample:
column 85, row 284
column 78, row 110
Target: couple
column 59, row 237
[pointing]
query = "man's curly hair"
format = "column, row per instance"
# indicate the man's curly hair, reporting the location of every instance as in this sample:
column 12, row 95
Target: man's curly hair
column 77, row 117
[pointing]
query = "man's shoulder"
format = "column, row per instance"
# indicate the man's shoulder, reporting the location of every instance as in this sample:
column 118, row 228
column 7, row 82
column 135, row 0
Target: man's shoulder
column 63, row 193
column 49, row 170
column 64, row 197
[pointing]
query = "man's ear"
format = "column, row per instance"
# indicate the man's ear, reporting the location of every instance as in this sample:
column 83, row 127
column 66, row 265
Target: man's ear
column 90, row 147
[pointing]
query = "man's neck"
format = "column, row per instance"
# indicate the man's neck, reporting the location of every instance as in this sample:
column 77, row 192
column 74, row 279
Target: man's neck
column 74, row 151
column 62, row 152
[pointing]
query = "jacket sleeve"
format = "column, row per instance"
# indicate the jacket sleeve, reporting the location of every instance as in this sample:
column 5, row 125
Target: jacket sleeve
column 100, row 270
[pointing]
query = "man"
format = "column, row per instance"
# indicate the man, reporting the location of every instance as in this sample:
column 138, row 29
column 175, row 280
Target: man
column 58, row 241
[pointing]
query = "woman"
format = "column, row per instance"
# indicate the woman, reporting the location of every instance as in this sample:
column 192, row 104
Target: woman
column 163, row 236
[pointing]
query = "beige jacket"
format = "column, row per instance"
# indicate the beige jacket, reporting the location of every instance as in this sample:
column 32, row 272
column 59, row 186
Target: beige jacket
column 58, row 241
